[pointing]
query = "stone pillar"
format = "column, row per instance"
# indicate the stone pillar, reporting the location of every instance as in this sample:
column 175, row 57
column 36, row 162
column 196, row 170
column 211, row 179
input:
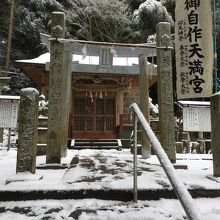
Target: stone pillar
column 27, row 130
column 56, row 114
column 165, row 90
column 144, row 105
column 215, row 124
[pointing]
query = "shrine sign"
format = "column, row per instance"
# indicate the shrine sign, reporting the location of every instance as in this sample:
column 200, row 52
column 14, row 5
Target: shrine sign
column 194, row 48
column 196, row 116
column 9, row 111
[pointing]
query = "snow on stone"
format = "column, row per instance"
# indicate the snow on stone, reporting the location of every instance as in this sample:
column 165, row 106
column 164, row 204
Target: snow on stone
column 195, row 103
column 10, row 97
column 153, row 107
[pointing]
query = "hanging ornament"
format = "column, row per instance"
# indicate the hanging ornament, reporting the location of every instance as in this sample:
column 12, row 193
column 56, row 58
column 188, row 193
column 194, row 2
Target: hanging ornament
column 113, row 51
column 84, row 52
column 100, row 95
column 91, row 96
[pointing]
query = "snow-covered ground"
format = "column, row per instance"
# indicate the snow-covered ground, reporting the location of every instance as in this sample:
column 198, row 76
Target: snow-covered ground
column 109, row 169
column 92, row 209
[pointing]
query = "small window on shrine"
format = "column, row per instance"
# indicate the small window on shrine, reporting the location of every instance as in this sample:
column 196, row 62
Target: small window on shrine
column 105, row 58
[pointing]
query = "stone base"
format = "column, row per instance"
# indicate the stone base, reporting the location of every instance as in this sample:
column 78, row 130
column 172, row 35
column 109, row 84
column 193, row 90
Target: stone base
column 52, row 166
column 24, row 177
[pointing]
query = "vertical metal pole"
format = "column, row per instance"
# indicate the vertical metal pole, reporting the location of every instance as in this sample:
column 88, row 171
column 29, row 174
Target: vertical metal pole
column 135, row 157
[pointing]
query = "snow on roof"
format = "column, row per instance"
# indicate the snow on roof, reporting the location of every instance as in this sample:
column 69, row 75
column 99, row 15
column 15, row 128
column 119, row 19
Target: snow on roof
column 92, row 60
column 42, row 59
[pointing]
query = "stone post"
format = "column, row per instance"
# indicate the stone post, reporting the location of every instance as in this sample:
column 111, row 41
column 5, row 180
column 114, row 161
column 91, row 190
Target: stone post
column 27, row 131
column 1, row 134
column 165, row 90
column 201, row 142
column 185, row 138
column 144, row 104
column 56, row 114
column 215, row 124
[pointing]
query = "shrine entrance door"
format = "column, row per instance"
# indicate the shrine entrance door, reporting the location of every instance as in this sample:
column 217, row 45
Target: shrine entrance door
column 94, row 116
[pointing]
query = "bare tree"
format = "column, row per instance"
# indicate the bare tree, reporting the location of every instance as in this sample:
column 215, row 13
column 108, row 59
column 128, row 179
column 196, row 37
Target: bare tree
column 100, row 20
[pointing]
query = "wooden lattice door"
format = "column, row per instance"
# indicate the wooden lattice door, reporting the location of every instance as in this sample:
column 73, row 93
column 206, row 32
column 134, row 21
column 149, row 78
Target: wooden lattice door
column 94, row 118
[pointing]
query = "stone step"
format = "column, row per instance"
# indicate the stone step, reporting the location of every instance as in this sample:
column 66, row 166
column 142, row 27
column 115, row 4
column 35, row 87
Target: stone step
column 95, row 144
column 95, row 147
column 104, row 194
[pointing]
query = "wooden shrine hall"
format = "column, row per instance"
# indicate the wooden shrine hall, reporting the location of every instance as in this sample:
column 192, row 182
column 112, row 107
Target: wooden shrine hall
column 105, row 82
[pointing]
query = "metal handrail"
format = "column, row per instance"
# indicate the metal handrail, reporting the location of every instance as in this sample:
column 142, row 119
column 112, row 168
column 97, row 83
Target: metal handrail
column 182, row 193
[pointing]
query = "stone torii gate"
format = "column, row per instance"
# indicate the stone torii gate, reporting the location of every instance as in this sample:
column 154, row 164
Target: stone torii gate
column 60, row 90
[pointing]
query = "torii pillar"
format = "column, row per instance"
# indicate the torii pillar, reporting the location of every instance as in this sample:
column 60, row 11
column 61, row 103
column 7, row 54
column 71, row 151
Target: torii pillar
column 59, row 91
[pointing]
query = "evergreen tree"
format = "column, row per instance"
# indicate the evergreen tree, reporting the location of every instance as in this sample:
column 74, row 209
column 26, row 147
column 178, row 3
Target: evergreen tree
column 170, row 6
column 31, row 18
column 134, row 4
column 148, row 15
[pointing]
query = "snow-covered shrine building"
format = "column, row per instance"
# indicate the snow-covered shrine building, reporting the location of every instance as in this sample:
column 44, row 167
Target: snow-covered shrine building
column 105, row 82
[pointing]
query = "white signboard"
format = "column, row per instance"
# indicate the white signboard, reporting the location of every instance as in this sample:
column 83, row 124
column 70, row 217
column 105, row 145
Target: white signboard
column 8, row 113
column 197, row 119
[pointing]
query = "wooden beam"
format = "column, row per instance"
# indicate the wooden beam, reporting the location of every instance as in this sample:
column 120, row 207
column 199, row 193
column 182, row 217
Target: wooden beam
column 102, row 87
